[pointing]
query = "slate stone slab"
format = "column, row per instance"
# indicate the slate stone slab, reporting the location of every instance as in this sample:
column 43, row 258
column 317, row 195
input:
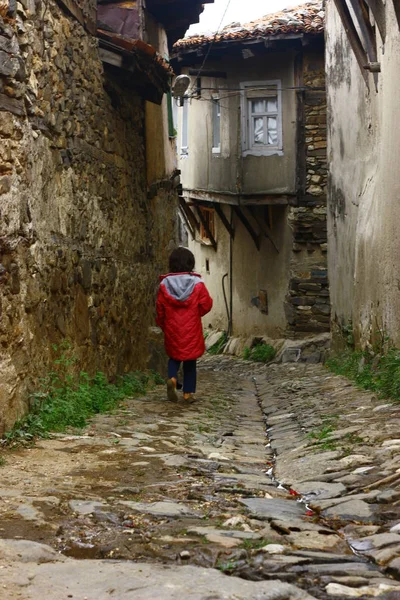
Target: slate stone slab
column 26, row 551
column 320, row 490
column 356, row 510
column 161, row 509
column 372, row 542
column 86, row 507
column 229, row 533
column 108, row 580
column 267, row 508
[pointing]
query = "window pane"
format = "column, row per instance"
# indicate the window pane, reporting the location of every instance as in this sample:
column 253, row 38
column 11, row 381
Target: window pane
column 258, row 130
column 272, row 130
column 272, row 104
column 216, row 124
column 258, row 106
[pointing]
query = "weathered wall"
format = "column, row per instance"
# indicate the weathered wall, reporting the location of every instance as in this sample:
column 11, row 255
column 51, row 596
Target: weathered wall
column 230, row 171
column 80, row 242
column 294, row 280
column 259, row 277
column 307, row 303
column 364, row 188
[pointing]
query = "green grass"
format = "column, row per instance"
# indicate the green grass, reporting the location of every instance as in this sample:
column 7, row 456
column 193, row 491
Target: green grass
column 379, row 373
column 226, row 567
column 67, row 399
column 254, row 544
column 259, row 353
column 218, row 347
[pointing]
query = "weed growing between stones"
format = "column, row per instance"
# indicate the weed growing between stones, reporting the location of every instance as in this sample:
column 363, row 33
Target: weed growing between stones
column 259, row 353
column 254, row 544
column 377, row 372
column 68, row 398
column 219, row 346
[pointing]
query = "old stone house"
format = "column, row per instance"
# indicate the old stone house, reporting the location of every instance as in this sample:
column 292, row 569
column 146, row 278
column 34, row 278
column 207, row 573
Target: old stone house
column 87, row 182
column 252, row 155
column 363, row 66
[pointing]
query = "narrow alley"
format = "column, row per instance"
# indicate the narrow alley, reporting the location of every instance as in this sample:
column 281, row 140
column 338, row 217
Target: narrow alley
column 282, row 482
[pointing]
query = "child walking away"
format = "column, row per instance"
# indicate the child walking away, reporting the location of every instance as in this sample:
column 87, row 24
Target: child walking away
column 181, row 302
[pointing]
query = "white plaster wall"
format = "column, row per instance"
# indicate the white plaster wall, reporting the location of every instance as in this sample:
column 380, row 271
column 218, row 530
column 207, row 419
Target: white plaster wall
column 253, row 270
column 229, row 171
column 364, row 195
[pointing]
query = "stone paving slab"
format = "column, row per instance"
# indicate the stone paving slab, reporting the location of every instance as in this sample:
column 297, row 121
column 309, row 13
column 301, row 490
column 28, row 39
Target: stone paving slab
column 102, row 580
column 182, row 490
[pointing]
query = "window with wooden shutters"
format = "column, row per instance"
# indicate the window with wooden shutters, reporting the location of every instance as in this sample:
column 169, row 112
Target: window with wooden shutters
column 209, row 218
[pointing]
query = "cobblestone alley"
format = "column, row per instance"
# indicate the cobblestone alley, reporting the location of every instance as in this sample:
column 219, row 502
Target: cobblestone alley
column 281, row 483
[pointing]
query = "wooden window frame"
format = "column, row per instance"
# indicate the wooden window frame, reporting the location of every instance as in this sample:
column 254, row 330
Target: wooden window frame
column 249, row 90
column 209, row 217
column 216, row 124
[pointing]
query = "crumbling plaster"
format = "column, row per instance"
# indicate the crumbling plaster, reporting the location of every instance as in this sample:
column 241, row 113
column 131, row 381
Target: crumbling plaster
column 364, row 187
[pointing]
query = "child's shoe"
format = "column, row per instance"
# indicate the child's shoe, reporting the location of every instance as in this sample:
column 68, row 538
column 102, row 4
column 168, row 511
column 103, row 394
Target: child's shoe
column 171, row 390
column 189, row 398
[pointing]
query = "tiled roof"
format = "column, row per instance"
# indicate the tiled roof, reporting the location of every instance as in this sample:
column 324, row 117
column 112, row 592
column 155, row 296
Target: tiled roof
column 306, row 18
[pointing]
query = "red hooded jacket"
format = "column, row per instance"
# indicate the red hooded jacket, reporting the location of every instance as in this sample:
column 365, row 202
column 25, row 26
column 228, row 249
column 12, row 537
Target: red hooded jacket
column 181, row 302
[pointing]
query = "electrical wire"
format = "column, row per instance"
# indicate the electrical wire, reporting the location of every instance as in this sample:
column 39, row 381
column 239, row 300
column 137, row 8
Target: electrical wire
column 212, row 41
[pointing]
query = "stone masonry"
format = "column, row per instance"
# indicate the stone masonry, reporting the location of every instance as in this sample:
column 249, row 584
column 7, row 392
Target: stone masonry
column 81, row 242
column 308, row 307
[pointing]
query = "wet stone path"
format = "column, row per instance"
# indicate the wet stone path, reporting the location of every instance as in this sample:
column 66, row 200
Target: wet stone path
column 281, row 483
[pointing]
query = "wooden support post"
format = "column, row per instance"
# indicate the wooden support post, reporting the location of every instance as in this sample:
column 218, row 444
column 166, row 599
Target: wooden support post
column 187, row 222
column 189, row 214
column 264, row 226
column 206, row 227
column 220, row 213
column 378, row 10
column 243, row 219
column 368, row 35
column 353, row 37
column 396, row 4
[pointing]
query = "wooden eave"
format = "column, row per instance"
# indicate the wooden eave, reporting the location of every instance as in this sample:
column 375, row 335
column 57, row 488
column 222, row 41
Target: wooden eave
column 176, row 15
column 136, row 64
column 192, row 53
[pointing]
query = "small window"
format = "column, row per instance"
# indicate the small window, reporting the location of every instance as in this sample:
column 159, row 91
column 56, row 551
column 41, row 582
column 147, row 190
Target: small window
column 261, row 118
column 263, row 121
column 216, row 126
column 208, row 216
column 185, row 127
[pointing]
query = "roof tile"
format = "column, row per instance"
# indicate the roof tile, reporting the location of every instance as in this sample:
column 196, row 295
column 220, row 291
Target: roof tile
column 306, row 18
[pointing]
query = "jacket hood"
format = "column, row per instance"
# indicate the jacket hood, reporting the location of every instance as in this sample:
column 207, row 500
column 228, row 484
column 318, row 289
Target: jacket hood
column 180, row 285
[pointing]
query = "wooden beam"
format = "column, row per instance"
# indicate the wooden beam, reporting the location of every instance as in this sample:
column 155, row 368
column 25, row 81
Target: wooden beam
column 353, row 36
column 224, row 220
column 265, row 227
column 242, row 199
column 378, row 10
column 362, row 16
column 206, row 227
column 243, row 219
column 189, row 214
column 188, row 224
column 396, row 4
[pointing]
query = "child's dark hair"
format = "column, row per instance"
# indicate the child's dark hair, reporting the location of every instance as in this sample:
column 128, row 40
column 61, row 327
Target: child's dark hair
column 181, row 260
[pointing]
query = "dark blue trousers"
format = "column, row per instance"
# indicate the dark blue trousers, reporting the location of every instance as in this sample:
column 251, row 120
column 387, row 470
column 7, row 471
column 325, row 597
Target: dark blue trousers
column 189, row 373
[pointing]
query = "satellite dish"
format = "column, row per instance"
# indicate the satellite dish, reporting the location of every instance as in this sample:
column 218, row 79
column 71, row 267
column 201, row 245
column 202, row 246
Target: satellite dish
column 181, row 84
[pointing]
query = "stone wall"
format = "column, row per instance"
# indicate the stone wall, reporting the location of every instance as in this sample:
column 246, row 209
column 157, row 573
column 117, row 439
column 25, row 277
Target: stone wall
column 307, row 305
column 81, row 241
